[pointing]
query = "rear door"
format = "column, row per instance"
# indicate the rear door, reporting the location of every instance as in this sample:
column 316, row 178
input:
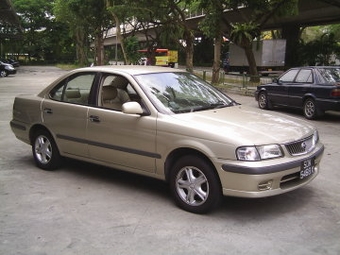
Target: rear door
column 300, row 87
column 65, row 113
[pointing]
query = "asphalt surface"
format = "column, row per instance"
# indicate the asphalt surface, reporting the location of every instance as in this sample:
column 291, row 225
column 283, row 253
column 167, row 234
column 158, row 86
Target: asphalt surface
column 91, row 210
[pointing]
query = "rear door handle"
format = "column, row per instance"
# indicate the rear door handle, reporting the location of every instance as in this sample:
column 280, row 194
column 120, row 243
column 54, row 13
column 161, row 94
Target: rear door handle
column 48, row 110
column 94, row 118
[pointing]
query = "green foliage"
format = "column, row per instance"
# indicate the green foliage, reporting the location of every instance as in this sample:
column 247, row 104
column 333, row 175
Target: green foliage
column 132, row 47
column 211, row 24
column 319, row 51
column 44, row 38
column 64, row 30
column 243, row 34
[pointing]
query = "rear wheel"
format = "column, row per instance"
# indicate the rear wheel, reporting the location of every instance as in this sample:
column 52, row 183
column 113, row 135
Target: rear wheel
column 195, row 185
column 310, row 109
column 45, row 151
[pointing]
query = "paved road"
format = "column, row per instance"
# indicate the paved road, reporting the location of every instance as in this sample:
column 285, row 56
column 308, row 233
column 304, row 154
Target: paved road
column 86, row 209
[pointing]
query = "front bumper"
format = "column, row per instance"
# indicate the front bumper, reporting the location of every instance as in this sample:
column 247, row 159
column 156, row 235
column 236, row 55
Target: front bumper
column 267, row 178
column 11, row 71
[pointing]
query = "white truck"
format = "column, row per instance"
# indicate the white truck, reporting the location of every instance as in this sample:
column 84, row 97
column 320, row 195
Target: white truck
column 269, row 57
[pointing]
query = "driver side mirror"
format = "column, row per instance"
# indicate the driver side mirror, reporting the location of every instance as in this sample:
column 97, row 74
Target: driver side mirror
column 276, row 80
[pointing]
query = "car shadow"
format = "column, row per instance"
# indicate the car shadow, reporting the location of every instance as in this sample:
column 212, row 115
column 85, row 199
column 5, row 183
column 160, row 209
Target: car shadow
column 119, row 178
column 256, row 209
column 238, row 209
column 329, row 116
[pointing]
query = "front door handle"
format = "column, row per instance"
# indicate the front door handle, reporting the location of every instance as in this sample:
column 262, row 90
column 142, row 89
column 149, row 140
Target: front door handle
column 48, row 110
column 94, row 118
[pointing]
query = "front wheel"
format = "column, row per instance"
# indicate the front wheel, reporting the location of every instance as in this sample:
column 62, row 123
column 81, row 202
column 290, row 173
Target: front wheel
column 45, row 152
column 195, row 185
column 3, row 73
column 263, row 101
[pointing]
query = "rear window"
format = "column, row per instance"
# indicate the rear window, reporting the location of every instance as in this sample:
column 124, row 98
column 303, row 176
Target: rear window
column 330, row 75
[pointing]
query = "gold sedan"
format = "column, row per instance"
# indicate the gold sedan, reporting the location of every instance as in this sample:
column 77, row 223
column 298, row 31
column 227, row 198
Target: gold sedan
column 168, row 124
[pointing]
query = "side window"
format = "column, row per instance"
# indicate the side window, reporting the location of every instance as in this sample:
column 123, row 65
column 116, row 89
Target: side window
column 115, row 91
column 304, row 76
column 289, row 76
column 75, row 89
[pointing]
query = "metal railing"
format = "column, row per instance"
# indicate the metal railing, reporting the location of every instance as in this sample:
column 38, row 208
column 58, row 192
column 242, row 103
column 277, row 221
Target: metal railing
column 238, row 83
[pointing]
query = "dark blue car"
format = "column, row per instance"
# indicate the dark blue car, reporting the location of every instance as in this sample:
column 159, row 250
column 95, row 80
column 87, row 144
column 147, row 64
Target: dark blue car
column 6, row 69
column 314, row 89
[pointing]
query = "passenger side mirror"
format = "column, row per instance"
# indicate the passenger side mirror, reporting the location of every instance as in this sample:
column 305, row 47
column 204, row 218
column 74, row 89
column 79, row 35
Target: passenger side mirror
column 132, row 108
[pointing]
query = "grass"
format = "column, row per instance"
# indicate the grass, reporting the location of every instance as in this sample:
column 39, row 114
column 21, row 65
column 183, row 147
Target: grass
column 67, row 67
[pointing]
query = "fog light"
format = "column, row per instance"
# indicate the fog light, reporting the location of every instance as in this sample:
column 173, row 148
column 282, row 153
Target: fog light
column 267, row 185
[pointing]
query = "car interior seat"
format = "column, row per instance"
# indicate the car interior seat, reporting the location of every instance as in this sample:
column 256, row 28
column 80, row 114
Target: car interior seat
column 109, row 98
column 121, row 83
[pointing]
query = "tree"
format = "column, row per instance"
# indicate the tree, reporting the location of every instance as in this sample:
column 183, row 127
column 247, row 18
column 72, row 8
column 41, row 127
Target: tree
column 167, row 18
column 35, row 16
column 319, row 47
column 246, row 31
column 243, row 35
column 87, row 20
column 211, row 27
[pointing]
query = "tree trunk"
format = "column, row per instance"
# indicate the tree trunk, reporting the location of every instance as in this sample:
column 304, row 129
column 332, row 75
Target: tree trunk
column 254, row 76
column 99, row 42
column 217, row 59
column 119, row 37
column 80, row 48
column 189, row 51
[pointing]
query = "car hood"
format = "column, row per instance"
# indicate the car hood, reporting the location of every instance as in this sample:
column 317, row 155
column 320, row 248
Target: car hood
column 245, row 125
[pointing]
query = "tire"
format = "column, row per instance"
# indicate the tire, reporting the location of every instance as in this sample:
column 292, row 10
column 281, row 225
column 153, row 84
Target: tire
column 45, row 152
column 263, row 101
column 310, row 110
column 3, row 73
column 194, row 185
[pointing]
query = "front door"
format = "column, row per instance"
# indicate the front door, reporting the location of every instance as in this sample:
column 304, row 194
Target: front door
column 122, row 139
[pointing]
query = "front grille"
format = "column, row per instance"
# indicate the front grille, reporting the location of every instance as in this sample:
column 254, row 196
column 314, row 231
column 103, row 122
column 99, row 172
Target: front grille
column 301, row 147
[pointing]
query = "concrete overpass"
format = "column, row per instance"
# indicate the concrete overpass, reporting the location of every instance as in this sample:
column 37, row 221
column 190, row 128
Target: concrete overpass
column 310, row 13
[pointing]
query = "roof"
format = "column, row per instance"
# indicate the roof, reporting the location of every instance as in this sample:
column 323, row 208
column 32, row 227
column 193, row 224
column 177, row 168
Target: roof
column 131, row 69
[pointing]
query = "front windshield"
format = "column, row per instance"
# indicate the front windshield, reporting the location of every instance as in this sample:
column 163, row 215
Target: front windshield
column 181, row 92
column 330, row 74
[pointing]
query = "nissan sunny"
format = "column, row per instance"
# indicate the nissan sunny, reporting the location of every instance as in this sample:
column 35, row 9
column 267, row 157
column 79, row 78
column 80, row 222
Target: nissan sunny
column 168, row 124
column 314, row 89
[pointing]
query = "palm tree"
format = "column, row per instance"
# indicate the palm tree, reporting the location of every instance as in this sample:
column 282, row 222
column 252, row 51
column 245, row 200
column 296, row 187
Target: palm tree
column 243, row 35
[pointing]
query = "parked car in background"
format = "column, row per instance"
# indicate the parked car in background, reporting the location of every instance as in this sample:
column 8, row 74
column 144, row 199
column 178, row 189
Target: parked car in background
column 313, row 89
column 171, row 125
column 6, row 69
column 11, row 61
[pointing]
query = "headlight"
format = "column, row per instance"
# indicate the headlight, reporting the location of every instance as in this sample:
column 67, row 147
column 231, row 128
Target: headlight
column 255, row 153
column 10, row 68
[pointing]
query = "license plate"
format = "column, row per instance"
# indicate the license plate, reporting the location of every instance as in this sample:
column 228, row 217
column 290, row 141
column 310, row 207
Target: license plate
column 307, row 168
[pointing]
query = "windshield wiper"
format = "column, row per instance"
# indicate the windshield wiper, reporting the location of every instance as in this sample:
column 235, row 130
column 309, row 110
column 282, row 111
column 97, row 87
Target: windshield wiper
column 218, row 105
column 210, row 106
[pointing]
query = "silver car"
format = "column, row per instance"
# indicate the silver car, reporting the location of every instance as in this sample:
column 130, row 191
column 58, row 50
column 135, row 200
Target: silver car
column 168, row 124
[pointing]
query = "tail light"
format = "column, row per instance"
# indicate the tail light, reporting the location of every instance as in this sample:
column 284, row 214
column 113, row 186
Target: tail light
column 335, row 93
